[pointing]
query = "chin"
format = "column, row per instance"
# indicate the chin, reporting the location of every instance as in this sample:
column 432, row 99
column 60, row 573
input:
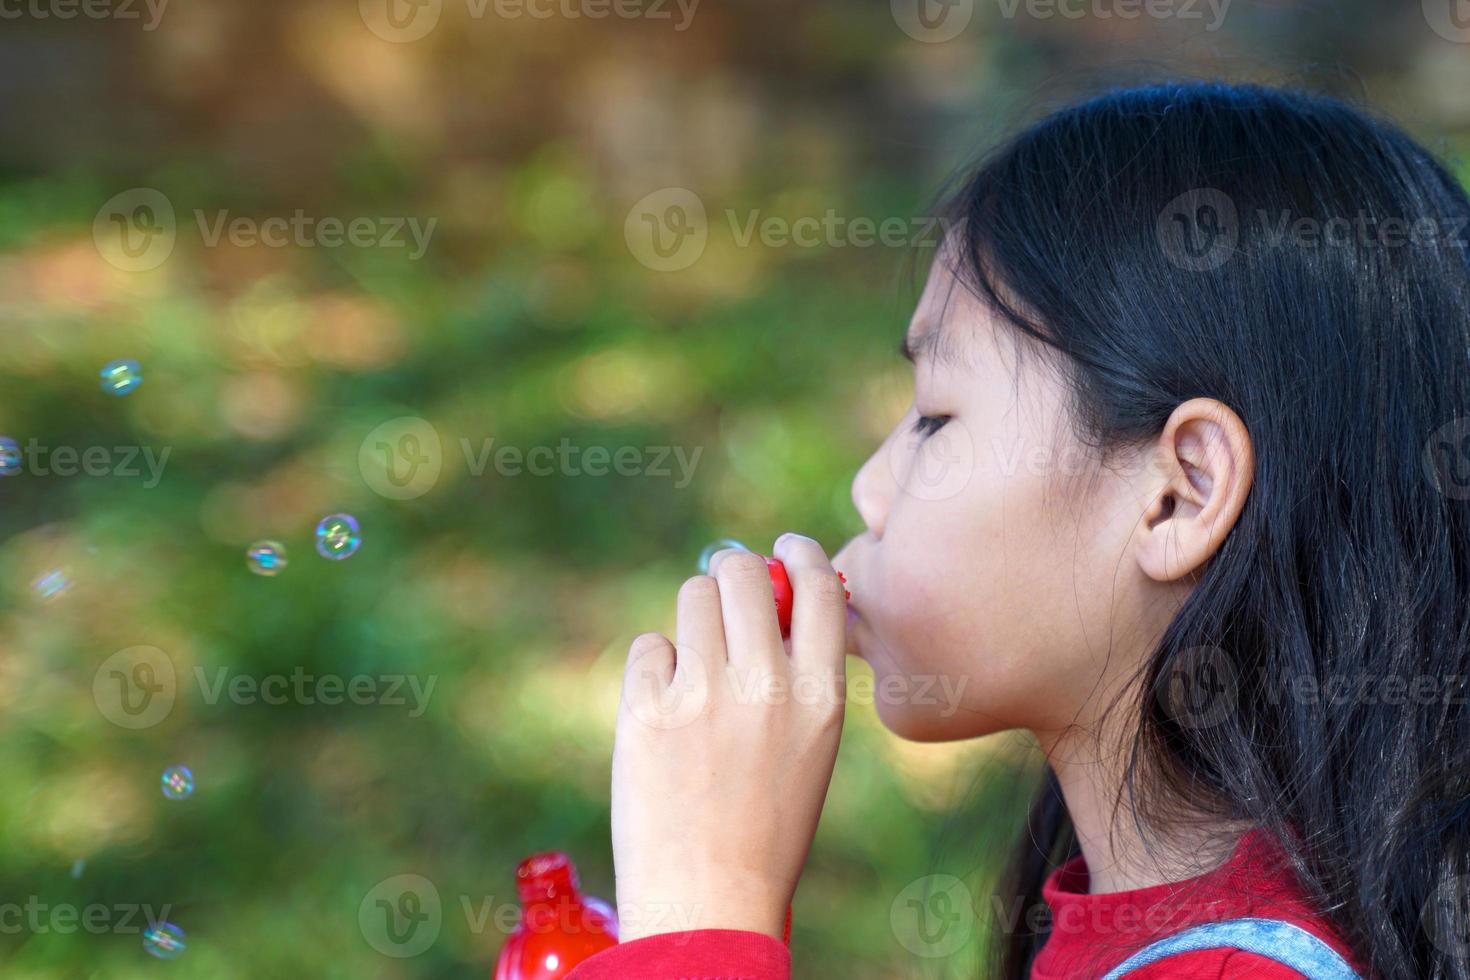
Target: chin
column 925, row 725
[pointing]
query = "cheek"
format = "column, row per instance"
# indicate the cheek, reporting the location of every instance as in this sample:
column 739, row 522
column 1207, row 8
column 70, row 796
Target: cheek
column 982, row 591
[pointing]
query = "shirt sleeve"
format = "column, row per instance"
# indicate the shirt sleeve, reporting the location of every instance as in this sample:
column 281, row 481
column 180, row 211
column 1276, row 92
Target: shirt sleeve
column 710, row 954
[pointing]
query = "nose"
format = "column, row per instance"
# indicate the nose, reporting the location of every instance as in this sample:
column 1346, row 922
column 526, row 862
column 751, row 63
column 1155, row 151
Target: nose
column 873, row 489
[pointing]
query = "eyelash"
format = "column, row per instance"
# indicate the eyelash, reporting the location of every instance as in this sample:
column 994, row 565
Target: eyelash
column 927, row 425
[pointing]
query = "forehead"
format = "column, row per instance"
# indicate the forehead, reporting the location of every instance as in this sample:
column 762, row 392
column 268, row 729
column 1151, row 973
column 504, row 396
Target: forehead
column 945, row 321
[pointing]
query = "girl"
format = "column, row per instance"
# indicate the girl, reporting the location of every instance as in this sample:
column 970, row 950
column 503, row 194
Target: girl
column 1183, row 493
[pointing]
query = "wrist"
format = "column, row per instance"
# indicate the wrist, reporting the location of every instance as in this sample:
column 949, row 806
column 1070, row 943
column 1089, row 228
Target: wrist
column 639, row 920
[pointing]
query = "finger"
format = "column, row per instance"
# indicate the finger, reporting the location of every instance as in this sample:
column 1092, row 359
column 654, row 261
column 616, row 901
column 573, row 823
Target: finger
column 752, row 635
column 819, row 606
column 649, row 669
column 700, row 629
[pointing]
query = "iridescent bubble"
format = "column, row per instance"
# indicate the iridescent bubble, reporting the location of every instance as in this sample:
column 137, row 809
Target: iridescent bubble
column 164, row 940
column 178, row 782
column 10, row 457
column 337, row 536
column 266, row 558
column 51, row 584
column 712, row 547
column 121, row 376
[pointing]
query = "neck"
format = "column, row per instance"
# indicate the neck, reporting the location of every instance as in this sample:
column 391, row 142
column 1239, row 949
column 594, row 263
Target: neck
column 1120, row 855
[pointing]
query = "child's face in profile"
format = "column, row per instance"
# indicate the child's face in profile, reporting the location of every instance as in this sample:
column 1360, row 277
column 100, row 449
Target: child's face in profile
column 995, row 562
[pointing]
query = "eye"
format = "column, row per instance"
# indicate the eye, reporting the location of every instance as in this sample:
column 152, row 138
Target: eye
column 927, row 425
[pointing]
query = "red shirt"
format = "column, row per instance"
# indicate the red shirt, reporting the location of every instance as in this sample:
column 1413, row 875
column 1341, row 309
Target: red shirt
column 1090, row 933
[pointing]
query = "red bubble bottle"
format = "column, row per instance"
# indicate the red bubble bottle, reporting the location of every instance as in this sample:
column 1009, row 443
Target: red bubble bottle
column 559, row 927
column 781, row 587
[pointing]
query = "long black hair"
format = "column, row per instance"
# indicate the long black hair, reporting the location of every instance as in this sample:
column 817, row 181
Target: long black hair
column 1306, row 264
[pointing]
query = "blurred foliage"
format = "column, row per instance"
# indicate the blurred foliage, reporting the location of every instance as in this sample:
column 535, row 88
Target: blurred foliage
column 528, row 320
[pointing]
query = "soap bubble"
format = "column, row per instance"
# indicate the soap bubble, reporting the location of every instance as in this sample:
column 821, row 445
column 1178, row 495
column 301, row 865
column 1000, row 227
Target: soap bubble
column 52, row 583
column 178, row 782
column 164, row 940
column 266, row 558
column 337, row 536
column 121, row 376
column 714, row 546
column 11, row 460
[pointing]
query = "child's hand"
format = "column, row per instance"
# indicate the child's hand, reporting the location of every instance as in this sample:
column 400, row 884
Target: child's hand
column 725, row 746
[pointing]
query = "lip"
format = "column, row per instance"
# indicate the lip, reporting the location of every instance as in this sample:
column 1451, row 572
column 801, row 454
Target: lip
column 850, row 633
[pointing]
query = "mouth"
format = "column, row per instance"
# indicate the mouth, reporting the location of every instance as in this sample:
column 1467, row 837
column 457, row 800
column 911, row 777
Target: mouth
column 851, row 640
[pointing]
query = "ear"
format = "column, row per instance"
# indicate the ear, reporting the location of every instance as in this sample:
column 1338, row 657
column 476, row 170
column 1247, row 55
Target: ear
column 1204, row 465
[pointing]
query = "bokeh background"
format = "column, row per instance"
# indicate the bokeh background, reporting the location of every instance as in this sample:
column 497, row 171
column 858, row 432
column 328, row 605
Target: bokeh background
column 546, row 151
